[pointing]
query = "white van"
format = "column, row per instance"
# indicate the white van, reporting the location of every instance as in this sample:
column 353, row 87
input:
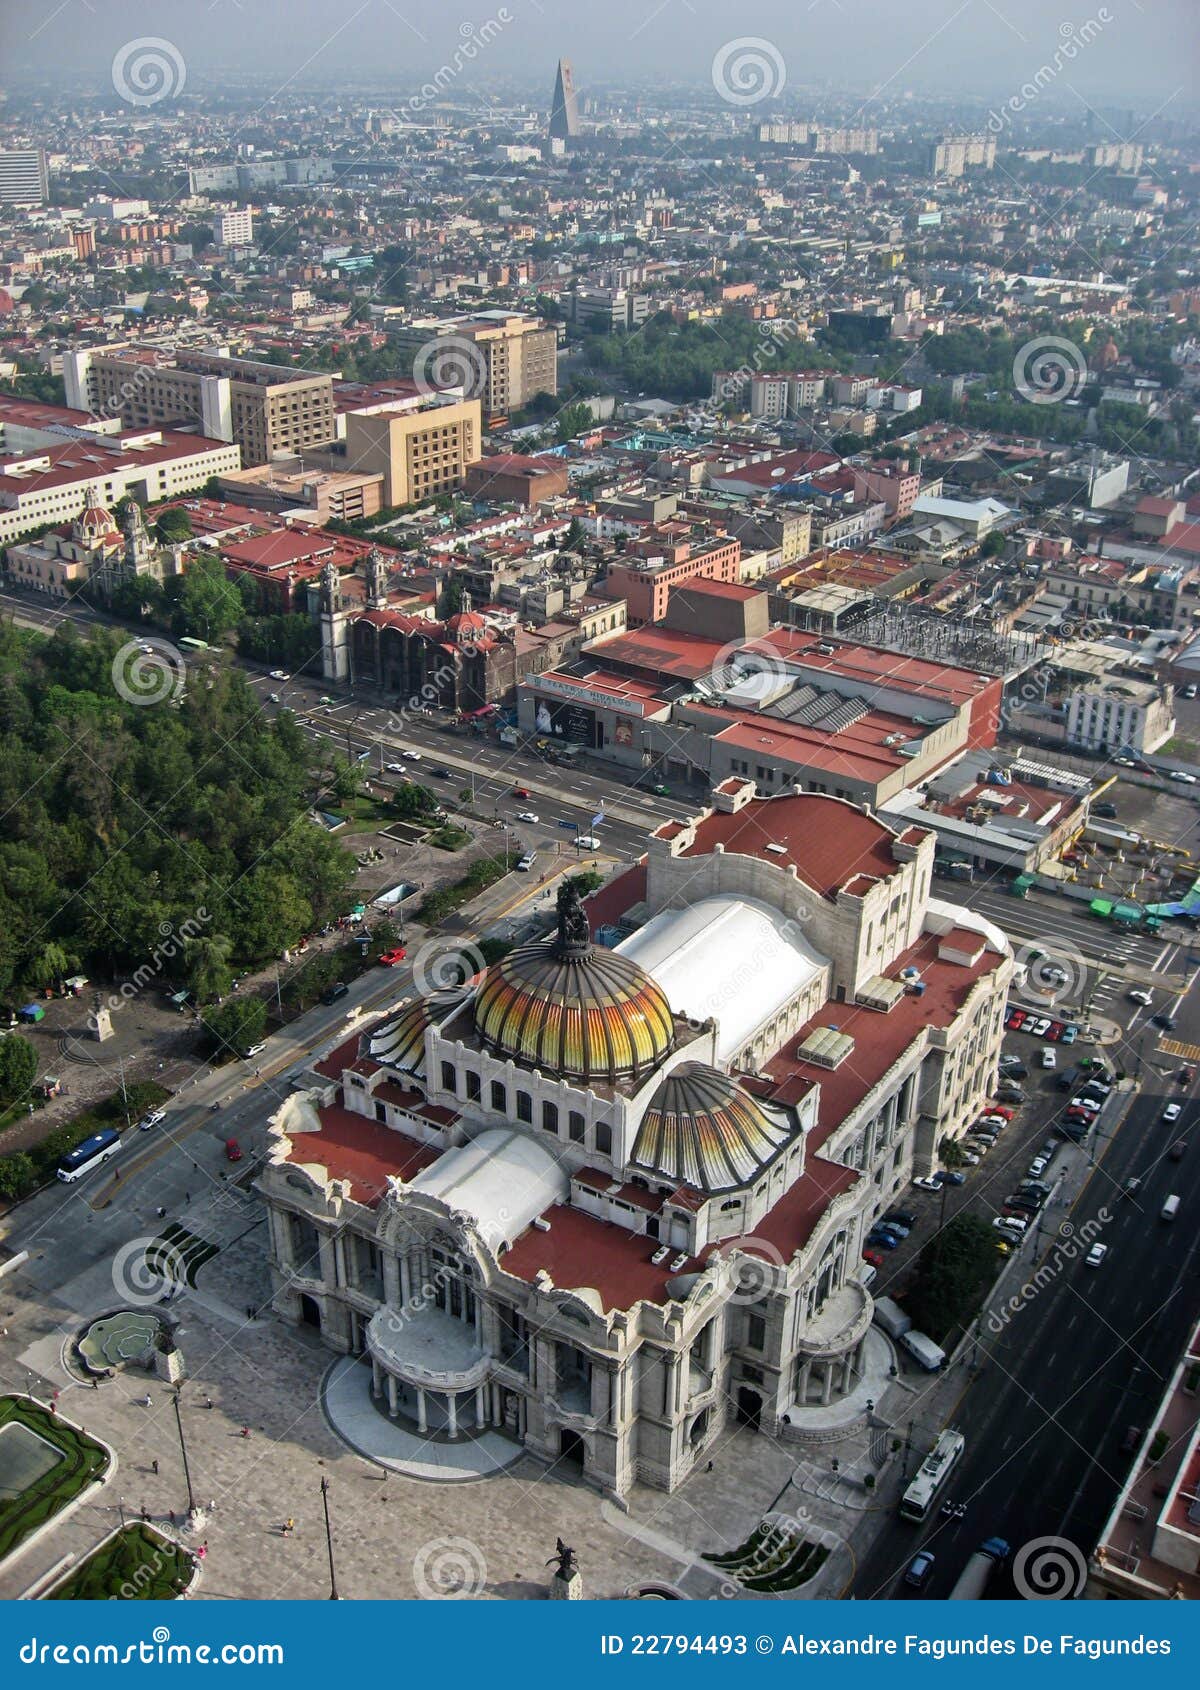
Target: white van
column 922, row 1349
column 1170, row 1208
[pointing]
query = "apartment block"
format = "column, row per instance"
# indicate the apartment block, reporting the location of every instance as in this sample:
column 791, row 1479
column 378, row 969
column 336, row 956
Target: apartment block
column 955, row 153
column 234, row 227
column 420, row 453
column 517, row 356
column 267, row 410
column 24, row 178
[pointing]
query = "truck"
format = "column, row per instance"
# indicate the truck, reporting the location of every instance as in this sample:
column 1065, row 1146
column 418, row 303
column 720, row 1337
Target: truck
column 922, row 1349
column 890, row 1317
column 972, row 1581
column 509, row 736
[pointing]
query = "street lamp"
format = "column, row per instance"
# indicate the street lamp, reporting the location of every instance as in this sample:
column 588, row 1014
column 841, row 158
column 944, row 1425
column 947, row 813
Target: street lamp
column 333, row 1589
column 187, row 1473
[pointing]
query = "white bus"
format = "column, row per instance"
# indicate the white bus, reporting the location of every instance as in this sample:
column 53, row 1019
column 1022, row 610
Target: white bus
column 931, row 1475
column 89, row 1155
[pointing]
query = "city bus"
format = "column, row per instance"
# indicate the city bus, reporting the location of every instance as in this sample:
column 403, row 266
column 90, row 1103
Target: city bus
column 89, row 1155
column 931, row 1475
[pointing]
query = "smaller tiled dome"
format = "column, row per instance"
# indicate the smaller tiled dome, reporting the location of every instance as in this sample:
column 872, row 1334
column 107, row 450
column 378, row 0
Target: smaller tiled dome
column 400, row 1043
column 703, row 1130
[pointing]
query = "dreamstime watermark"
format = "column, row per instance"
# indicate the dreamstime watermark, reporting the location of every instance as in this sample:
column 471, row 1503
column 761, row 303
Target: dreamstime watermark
column 148, row 671
column 1074, row 39
column 1069, row 1242
column 1049, row 1569
column 740, row 662
column 729, row 384
column 172, row 943
column 145, row 1270
column 1052, row 970
column 1048, row 370
column 748, row 71
column 133, row 386
column 441, row 967
column 475, row 37
column 451, row 361
column 448, row 1569
column 755, row 1264
column 148, row 70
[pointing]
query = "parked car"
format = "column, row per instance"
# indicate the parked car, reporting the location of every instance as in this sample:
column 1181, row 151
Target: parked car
column 1087, row 1104
column 334, row 992
column 873, row 1257
column 1015, row 1020
column 901, row 1217
column 1010, row 1226
column 1048, row 1058
column 389, row 959
column 928, row 1182
column 1038, row 1166
column 1011, row 1094
column 919, row 1569
column 883, row 1241
column 892, row 1226
column 950, row 1176
column 525, row 863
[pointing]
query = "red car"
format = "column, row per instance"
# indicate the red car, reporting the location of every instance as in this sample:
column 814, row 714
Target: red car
column 875, row 1257
column 1016, row 1021
column 233, row 1150
column 1000, row 1109
column 521, row 792
column 1055, row 1031
column 389, row 959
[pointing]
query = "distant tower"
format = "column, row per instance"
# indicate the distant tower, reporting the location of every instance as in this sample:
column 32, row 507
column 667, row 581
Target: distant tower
column 139, row 550
column 335, row 627
column 376, row 575
column 564, row 109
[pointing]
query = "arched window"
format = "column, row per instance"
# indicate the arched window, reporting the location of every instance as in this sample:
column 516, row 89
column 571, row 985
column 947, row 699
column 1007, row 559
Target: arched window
column 604, row 1138
column 499, row 1097
column 550, row 1117
column 524, row 1106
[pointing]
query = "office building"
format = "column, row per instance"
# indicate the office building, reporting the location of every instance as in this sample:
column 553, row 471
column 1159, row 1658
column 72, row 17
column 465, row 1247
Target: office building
column 267, row 410
column 234, row 227
column 24, row 177
column 420, row 452
column 564, row 108
column 954, row 154
column 502, row 358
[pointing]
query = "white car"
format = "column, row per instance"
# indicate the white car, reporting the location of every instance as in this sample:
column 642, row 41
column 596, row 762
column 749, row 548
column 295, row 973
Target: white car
column 396, row 769
column 1095, row 1255
column 587, row 842
column 1087, row 1103
column 1006, row 1223
column 1055, row 976
column 526, row 816
column 1039, row 1028
column 1140, row 995
column 1125, row 762
column 151, row 1120
column 1178, row 774
column 927, row 1183
column 279, row 674
column 1172, row 1112
column 413, row 756
column 525, row 863
column 1037, row 1167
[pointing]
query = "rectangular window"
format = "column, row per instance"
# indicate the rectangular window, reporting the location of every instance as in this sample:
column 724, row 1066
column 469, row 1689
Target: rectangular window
column 449, row 1078
column 756, row 1332
column 499, row 1096
column 603, row 1138
column 550, row 1117
column 575, row 1126
column 524, row 1106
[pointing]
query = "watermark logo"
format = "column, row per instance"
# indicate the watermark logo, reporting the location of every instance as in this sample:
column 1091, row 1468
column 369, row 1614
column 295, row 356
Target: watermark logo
column 1052, row 970
column 755, row 1263
column 1048, row 370
column 148, row 70
column 449, row 1569
column 438, row 967
column 149, row 671
column 1072, row 39
column 1069, row 1243
column 748, row 70
column 451, row 361
column 748, row 662
column 1049, row 1569
column 472, row 39
column 145, row 1269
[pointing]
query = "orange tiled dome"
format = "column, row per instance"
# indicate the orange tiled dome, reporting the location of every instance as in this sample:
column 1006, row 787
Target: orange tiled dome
column 572, row 1008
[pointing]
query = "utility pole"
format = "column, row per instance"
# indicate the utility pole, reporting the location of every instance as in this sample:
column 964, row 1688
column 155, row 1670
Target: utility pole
column 187, row 1473
column 333, row 1589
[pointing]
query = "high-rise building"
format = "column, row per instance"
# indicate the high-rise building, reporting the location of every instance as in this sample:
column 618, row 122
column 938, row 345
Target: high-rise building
column 955, row 153
column 267, row 409
column 234, row 227
column 420, row 452
column 24, row 178
column 503, row 358
column 564, row 108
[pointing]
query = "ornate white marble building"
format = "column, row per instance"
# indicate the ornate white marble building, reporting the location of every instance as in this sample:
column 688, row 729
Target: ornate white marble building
column 607, row 1200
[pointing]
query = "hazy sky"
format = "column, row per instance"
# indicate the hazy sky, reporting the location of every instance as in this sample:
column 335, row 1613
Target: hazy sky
column 1140, row 50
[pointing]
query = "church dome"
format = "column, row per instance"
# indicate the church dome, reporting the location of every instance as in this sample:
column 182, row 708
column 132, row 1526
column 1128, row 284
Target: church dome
column 572, row 1008
column 400, row 1042
column 703, row 1130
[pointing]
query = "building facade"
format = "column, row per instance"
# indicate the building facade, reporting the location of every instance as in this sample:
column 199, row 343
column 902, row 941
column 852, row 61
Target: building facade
column 611, row 1201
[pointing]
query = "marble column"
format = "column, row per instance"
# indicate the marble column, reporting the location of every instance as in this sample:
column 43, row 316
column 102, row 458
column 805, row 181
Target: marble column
column 405, row 1280
column 452, row 1414
column 376, row 1379
column 802, row 1385
column 393, row 1398
column 827, row 1386
column 480, row 1411
column 422, row 1417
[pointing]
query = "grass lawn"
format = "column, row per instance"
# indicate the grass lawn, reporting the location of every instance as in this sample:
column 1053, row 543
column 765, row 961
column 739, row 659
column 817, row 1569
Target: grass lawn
column 135, row 1565
column 28, row 1497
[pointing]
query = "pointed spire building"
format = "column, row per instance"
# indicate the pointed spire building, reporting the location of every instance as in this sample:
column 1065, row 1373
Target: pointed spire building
column 564, row 109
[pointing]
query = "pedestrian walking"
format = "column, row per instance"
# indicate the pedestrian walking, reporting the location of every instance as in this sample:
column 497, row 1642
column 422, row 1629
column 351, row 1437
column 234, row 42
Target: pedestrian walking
column 289, row 1526
column 208, row 1402
column 145, row 1513
column 146, row 1400
column 95, row 1384
column 245, row 1431
column 154, row 1466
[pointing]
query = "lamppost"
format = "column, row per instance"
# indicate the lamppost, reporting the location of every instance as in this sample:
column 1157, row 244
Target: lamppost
column 333, row 1589
column 187, row 1473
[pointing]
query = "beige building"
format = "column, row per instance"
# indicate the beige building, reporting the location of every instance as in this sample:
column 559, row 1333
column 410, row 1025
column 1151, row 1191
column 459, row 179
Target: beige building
column 611, row 1202
column 419, row 453
column 267, row 410
column 502, row 358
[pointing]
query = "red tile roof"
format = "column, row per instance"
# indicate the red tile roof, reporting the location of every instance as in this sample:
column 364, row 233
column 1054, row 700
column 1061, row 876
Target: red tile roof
column 351, row 1147
column 826, row 839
